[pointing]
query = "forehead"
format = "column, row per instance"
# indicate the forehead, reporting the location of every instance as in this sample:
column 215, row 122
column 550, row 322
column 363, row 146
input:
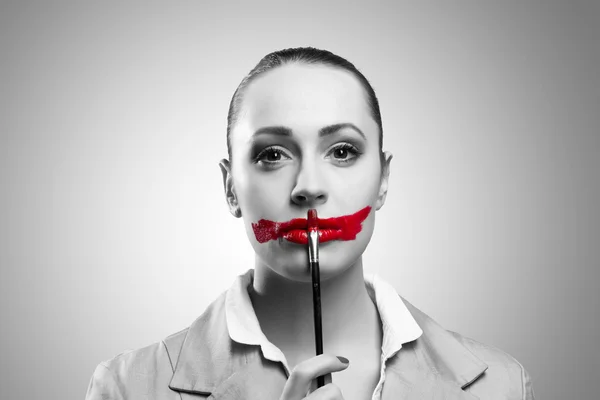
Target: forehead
column 303, row 96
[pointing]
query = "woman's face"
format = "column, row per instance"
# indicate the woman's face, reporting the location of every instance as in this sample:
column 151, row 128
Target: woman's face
column 305, row 139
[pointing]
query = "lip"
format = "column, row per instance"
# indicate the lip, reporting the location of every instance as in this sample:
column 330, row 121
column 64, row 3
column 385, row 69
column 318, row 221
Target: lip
column 300, row 236
column 345, row 227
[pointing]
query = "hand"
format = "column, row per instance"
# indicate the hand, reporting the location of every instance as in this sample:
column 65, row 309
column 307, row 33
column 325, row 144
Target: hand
column 300, row 379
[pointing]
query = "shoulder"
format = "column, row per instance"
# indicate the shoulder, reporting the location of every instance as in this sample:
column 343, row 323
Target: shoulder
column 484, row 370
column 161, row 353
column 147, row 371
column 505, row 376
column 144, row 371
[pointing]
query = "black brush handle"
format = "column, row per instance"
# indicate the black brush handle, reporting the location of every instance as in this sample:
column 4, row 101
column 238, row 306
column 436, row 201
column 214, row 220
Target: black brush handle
column 316, row 284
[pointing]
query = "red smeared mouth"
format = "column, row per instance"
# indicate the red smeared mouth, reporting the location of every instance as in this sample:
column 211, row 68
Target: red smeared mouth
column 345, row 227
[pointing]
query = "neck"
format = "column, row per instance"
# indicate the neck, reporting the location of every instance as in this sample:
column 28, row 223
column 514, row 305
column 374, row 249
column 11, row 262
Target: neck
column 284, row 308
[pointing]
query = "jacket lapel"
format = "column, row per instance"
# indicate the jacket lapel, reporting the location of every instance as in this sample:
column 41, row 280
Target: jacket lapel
column 435, row 366
column 207, row 362
column 262, row 380
column 422, row 385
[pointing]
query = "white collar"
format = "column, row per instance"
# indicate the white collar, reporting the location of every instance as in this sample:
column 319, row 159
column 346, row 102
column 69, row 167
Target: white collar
column 398, row 324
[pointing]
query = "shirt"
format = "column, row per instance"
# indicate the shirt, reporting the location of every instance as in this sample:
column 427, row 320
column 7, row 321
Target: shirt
column 398, row 325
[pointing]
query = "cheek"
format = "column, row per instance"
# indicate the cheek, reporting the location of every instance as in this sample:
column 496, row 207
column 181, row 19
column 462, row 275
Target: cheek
column 258, row 193
column 361, row 182
column 360, row 186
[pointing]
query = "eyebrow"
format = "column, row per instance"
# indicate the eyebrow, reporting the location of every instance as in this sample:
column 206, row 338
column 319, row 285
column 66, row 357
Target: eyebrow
column 325, row 131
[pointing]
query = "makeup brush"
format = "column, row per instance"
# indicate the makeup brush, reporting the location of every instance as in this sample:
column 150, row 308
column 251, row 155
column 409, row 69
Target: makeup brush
column 313, row 262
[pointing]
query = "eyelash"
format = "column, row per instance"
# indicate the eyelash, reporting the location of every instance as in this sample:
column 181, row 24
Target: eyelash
column 344, row 146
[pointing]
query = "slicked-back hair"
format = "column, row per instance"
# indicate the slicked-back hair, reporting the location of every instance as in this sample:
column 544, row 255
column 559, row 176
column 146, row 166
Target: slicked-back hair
column 302, row 55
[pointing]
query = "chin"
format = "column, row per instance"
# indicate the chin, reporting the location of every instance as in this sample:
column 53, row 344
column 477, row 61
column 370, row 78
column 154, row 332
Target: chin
column 292, row 263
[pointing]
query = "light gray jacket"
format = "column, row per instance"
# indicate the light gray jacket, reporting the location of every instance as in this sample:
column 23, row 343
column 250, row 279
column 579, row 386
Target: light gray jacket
column 203, row 362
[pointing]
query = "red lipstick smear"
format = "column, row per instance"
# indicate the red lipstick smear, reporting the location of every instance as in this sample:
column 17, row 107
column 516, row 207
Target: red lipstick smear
column 345, row 227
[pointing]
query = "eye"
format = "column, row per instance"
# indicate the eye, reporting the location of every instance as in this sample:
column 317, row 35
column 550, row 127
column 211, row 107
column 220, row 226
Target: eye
column 344, row 153
column 270, row 156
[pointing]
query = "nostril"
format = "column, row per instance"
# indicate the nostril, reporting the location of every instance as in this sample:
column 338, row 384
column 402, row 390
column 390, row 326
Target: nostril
column 309, row 198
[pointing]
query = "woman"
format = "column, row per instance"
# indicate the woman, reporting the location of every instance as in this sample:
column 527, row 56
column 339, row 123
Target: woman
column 304, row 132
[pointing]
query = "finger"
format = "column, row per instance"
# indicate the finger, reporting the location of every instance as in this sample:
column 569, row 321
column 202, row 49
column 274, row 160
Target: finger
column 329, row 392
column 299, row 381
column 314, row 383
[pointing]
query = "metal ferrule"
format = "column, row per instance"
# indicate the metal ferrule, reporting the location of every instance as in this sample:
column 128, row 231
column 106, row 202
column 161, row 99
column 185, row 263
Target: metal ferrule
column 313, row 246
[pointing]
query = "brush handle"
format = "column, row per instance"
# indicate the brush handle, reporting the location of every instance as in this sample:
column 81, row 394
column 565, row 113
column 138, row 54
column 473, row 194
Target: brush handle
column 313, row 261
column 316, row 284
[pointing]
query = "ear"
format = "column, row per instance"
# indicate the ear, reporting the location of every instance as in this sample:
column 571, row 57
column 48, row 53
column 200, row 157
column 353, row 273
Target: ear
column 230, row 196
column 383, row 184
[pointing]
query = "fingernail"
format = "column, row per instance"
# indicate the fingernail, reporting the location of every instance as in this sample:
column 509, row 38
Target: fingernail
column 343, row 359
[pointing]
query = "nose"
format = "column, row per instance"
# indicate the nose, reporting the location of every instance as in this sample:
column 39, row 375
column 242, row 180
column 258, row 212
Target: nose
column 310, row 187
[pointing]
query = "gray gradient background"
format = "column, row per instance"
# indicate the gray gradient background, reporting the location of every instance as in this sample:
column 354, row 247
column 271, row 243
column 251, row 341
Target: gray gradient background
column 113, row 121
